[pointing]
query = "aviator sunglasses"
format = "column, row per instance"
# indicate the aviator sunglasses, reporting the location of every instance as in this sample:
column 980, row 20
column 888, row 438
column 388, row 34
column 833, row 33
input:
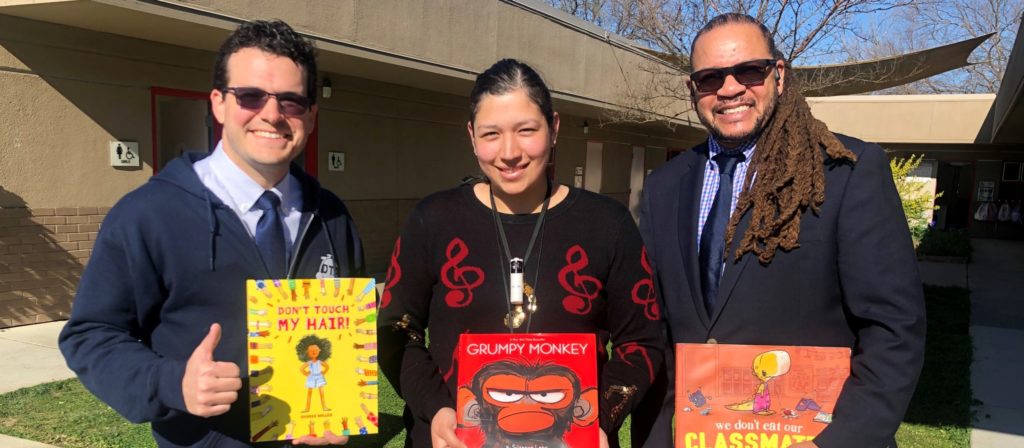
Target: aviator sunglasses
column 749, row 73
column 252, row 98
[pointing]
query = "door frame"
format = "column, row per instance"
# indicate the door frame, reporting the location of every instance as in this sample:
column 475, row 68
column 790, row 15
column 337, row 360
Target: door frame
column 154, row 93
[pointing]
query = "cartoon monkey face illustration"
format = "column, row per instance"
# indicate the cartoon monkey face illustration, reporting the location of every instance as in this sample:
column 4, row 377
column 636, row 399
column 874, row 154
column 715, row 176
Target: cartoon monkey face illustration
column 518, row 402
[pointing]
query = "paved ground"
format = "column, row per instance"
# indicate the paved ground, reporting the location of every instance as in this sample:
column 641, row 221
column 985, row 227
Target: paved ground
column 30, row 356
column 996, row 279
column 11, row 442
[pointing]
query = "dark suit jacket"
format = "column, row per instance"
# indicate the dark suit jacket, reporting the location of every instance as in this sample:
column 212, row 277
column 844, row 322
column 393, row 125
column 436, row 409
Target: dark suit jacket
column 853, row 282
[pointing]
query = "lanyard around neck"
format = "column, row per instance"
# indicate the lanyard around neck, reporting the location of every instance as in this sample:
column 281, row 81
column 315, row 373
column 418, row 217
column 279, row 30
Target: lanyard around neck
column 536, row 227
column 508, row 253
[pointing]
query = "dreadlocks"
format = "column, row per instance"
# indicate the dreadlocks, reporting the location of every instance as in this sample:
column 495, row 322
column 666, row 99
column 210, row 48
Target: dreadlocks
column 790, row 167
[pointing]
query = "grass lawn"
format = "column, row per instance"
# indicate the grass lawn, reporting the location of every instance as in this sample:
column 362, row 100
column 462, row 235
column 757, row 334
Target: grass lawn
column 63, row 413
column 939, row 414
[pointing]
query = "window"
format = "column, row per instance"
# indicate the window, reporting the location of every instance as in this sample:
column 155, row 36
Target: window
column 1011, row 171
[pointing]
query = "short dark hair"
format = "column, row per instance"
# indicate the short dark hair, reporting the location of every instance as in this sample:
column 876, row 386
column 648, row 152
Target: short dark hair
column 274, row 37
column 735, row 17
column 507, row 75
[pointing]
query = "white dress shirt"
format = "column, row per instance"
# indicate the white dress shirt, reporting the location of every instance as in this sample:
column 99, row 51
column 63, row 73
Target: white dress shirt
column 239, row 192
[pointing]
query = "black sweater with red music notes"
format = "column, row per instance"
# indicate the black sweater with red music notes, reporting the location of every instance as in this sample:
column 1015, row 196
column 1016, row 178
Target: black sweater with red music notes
column 590, row 274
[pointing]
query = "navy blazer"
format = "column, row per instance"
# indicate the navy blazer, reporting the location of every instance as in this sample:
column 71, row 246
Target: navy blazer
column 852, row 282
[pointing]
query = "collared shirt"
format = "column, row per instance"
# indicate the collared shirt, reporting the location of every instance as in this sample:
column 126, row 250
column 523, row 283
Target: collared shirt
column 712, row 177
column 239, row 192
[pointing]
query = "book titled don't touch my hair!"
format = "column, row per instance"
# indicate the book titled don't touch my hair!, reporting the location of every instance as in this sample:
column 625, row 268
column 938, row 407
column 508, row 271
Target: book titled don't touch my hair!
column 312, row 357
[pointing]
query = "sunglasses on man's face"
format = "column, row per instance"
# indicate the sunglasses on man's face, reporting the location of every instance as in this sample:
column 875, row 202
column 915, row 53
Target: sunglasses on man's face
column 749, row 73
column 252, row 98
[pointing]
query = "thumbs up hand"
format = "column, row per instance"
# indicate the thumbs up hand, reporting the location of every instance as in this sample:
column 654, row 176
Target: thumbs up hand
column 209, row 387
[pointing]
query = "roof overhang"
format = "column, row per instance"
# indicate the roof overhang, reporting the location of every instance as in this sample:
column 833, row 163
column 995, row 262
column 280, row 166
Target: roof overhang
column 1007, row 112
column 191, row 27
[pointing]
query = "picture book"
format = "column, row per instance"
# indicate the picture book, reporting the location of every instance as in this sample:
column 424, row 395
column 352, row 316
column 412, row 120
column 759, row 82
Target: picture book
column 312, row 357
column 533, row 390
column 755, row 395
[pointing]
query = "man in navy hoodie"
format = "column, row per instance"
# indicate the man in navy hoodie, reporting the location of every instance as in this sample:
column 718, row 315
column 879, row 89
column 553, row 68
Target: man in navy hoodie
column 158, row 326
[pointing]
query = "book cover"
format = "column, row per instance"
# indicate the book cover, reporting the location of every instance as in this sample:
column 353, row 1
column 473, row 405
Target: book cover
column 312, row 357
column 533, row 390
column 755, row 395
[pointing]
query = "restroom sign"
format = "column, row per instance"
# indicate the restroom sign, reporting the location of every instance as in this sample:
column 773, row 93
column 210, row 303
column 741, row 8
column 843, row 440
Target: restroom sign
column 336, row 161
column 124, row 153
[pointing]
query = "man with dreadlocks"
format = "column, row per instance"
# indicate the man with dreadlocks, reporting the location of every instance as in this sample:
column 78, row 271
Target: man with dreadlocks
column 776, row 231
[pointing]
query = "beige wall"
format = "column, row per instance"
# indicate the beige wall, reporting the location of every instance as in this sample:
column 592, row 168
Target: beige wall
column 66, row 94
column 398, row 142
column 615, row 177
column 940, row 119
column 461, row 35
column 571, row 153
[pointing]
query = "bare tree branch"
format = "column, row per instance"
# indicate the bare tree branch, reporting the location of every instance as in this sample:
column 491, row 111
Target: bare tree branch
column 808, row 32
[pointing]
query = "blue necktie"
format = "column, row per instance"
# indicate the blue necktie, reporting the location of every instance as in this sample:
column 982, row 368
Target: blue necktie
column 712, row 238
column 270, row 235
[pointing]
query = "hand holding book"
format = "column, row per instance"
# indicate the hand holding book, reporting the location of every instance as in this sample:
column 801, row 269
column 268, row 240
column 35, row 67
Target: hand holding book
column 329, row 438
column 442, row 430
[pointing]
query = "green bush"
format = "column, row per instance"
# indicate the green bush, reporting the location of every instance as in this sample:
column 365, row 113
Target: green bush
column 918, row 202
column 945, row 243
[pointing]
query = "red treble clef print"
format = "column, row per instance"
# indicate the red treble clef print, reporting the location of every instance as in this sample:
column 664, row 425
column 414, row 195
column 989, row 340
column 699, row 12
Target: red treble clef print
column 646, row 287
column 461, row 280
column 583, row 289
column 454, row 364
column 630, row 348
column 394, row 274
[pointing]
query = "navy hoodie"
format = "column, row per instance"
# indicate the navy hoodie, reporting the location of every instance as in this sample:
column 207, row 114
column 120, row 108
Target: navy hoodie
column 170, row 260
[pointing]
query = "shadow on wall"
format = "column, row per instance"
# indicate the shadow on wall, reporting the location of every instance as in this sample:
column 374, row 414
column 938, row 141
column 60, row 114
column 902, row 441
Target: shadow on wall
column 42, row 253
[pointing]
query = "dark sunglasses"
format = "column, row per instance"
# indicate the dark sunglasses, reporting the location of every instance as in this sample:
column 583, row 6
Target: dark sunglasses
column 252, row 98
column 749, row 73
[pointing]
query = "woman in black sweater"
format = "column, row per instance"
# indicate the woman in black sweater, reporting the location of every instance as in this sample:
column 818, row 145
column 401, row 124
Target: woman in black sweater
column 584, row 266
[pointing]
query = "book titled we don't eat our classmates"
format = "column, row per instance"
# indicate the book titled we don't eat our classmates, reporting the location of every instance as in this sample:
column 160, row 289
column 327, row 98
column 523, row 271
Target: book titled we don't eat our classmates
column 312, row 346
column 751, row 396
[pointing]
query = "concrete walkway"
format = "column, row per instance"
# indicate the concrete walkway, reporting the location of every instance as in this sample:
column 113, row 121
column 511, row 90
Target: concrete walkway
column 12, row 442
column 996, row 279
column 31, row 357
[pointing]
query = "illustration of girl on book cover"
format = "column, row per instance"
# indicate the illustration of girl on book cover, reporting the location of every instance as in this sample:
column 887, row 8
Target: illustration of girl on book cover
column 314, row 353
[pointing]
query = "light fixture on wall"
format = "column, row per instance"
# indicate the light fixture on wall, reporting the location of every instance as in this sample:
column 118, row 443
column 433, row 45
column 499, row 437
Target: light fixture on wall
column 586, row 127
column 327, row 87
